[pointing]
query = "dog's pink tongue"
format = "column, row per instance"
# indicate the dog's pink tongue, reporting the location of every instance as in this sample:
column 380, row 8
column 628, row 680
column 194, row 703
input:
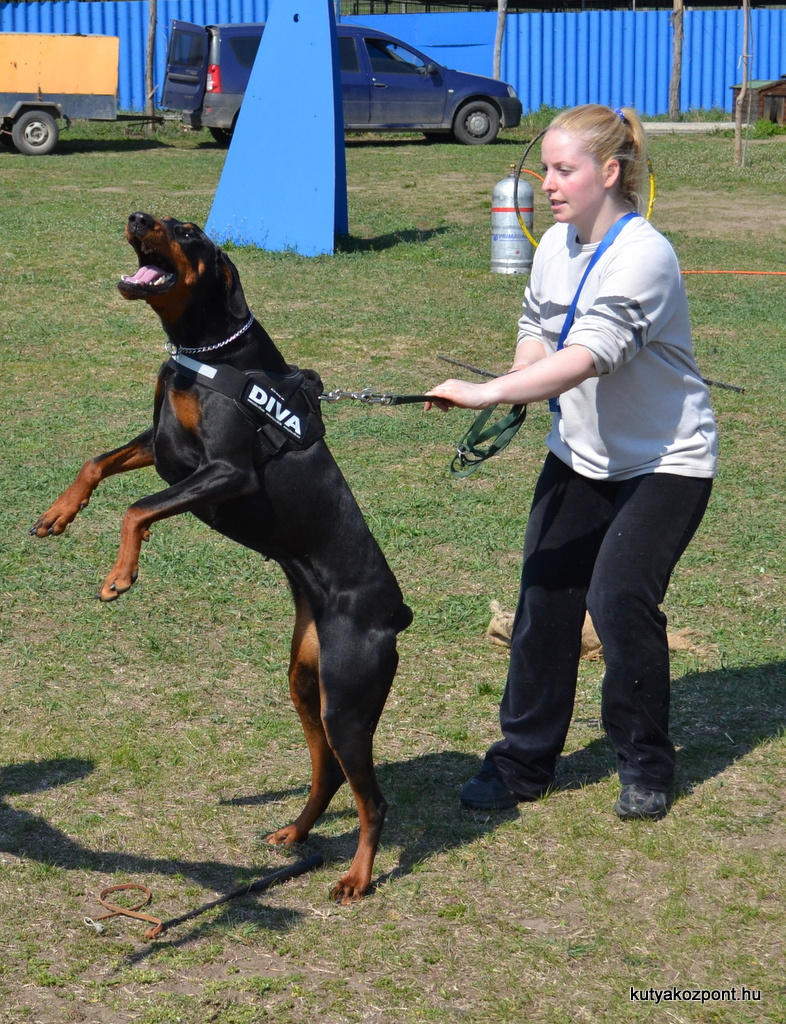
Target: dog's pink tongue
column 146, row 274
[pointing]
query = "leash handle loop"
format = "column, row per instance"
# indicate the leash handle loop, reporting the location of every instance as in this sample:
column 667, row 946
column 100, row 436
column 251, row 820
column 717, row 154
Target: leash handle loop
column 469, row 452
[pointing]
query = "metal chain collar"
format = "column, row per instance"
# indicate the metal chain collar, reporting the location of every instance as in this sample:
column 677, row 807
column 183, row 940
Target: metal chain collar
column 173, row 349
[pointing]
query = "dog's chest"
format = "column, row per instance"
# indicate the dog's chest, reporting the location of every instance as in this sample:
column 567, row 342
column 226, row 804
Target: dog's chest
column 179, row 423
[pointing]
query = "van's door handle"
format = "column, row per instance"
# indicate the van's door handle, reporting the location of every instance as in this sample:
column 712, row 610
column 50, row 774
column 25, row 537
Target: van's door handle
column 176, row 77
column 379, row 85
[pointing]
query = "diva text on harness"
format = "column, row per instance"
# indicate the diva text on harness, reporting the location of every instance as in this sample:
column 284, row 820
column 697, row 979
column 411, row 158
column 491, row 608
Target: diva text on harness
column 286, row 406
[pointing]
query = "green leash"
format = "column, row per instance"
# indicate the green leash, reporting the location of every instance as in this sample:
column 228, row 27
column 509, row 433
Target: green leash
column 470, row 453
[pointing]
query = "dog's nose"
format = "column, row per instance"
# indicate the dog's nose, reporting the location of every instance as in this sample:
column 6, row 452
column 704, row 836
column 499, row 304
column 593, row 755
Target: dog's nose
column 140, row 223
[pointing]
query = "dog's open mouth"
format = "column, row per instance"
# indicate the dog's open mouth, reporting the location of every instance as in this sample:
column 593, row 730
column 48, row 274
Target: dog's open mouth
column 151, row 277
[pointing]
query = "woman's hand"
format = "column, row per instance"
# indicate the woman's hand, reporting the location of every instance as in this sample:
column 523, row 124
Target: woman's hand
column 545, row 378
column 459, row 393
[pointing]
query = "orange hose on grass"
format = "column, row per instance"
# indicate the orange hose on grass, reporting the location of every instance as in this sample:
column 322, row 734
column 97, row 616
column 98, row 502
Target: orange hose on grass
column 781, row 273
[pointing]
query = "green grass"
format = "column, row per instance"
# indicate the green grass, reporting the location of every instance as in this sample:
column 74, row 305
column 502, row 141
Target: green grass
column 153, row 740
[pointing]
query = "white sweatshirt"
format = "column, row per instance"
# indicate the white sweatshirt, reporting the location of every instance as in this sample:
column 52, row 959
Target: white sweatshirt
column 648, row 411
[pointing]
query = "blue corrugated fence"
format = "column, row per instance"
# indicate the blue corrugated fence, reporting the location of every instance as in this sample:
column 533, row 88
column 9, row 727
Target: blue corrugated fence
column 557, row 59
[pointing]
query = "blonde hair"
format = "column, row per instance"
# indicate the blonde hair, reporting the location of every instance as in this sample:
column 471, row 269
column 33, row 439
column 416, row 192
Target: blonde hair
column 611, row 135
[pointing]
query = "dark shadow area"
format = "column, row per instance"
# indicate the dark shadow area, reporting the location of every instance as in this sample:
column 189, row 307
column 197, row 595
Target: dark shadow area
column 71, row 147
column 271, row 796
column 27, row 835
column 719, row 717
column 350, row 243
column 366, row 140
column 716, row 718
column 362, row 141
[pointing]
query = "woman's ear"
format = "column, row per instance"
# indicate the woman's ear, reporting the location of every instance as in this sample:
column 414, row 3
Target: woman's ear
column 611, row 173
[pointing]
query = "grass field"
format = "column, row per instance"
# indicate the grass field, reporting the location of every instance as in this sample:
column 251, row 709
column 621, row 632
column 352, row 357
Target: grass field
column 152, row 740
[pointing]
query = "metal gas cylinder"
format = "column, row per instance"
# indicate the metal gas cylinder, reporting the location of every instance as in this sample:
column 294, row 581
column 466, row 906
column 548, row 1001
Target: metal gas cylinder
column 511, row 250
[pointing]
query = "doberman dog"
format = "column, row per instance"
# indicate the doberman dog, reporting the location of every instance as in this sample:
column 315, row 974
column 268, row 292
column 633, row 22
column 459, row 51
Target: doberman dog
column 237, row 436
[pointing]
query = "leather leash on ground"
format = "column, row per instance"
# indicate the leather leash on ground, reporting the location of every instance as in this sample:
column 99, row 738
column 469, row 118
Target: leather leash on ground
column 117, row 911
column 159, row 927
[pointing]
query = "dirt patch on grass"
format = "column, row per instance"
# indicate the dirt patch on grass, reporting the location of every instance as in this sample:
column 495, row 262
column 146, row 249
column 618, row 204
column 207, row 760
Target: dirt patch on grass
column 707, row 214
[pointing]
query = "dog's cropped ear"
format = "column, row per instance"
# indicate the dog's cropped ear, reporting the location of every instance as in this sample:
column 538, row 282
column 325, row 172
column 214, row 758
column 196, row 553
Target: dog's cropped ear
column 236, row 300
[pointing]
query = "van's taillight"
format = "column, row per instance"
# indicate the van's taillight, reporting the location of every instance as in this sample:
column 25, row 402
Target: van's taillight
column 213, row 78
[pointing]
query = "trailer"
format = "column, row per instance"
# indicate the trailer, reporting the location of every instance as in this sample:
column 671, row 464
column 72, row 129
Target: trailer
column 47, row 78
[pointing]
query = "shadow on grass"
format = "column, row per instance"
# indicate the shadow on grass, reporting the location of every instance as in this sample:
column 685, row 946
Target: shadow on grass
column 71, row 147
column 27, row 835
column 716, row 718
column 351, row 243
column 371, row 139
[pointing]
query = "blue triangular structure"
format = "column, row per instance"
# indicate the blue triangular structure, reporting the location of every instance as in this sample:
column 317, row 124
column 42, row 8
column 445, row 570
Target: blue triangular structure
column 284, row 182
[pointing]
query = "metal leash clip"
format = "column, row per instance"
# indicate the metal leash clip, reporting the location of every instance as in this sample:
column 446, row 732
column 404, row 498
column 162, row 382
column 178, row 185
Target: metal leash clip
column 461, row 454
column 366, row 396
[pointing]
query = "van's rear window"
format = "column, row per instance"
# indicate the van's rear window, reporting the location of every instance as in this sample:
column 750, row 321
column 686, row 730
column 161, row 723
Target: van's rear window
column 188, row 49
column 245, row 49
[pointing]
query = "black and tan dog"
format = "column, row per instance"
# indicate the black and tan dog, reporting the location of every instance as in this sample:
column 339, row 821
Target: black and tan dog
column 237, row 436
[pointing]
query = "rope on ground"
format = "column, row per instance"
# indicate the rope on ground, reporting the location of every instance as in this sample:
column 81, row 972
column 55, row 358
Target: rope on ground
column 159, row 926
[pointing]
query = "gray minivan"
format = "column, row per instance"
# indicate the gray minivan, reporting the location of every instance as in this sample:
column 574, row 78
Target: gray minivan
column 386, row 85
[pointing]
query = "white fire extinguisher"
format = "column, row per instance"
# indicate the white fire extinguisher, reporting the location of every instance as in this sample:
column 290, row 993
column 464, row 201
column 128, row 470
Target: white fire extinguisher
column 511, row 250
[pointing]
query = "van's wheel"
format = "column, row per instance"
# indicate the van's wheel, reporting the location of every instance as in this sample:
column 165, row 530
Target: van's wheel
column 476, row 123
column 35, row 133
column 223, row 136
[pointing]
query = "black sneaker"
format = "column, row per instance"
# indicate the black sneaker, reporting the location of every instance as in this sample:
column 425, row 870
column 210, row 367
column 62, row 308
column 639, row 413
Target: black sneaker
column 638, row 802
column 487, row 792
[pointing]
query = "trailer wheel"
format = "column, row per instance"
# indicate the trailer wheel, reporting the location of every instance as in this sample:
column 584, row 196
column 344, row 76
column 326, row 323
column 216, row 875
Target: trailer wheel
column 35, row 133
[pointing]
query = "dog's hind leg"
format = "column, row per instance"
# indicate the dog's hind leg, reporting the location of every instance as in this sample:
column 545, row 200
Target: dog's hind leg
column 355, row 683
column 326, row 773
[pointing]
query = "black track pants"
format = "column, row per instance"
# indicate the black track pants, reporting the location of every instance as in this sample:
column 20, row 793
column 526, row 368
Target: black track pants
column 609, row 547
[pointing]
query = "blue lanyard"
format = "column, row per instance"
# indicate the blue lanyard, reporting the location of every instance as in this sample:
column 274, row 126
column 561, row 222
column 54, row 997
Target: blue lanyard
column 606, row 241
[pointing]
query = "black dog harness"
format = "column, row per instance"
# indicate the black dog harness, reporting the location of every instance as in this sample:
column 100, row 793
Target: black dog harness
column 285, row 406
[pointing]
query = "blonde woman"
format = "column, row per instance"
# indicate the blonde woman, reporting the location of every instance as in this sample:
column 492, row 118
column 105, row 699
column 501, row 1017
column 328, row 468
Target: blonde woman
column 605, row 335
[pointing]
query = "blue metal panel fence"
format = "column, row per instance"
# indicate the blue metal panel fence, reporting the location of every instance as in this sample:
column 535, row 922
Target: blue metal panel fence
column 556, row 59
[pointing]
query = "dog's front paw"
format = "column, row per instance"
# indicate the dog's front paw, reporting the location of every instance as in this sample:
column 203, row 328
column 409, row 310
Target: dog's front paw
column 56, row 519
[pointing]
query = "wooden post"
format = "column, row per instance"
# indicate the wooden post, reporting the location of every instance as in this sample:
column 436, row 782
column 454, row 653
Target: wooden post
column 502, row 13
column 743, row 93
column 150, row 89
column 675, row 82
